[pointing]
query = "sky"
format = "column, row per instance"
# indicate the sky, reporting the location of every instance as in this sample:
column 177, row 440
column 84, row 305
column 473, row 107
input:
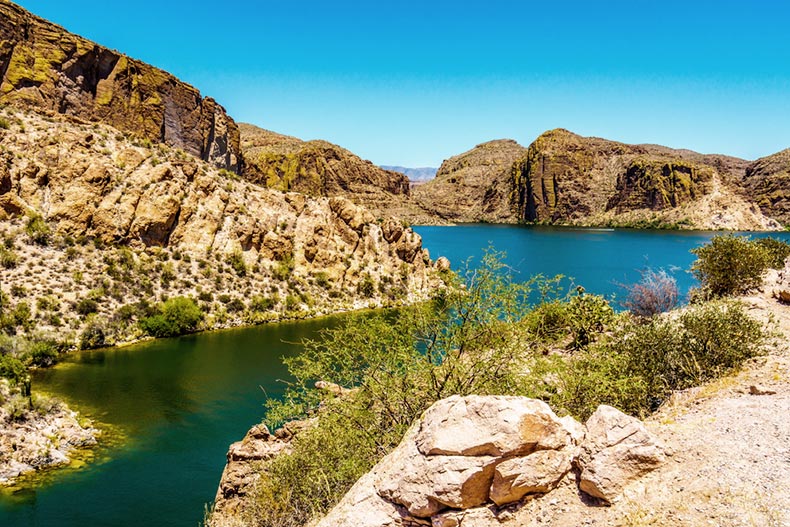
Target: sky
column 414, row 82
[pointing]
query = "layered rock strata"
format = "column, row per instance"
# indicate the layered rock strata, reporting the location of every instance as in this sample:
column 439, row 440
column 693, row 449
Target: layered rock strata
column 320, row 168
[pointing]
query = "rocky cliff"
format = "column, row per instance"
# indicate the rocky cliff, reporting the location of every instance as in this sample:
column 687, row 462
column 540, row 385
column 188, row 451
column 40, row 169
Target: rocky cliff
column 475, row 186
column 45, row 67
column 567, row 179
column 320, row 168
column 767, row 183
column 120, row 222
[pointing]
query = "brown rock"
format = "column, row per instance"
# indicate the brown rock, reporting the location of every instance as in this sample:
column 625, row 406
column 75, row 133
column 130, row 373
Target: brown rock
column 616, row 450
column 476, row 185
column 48, row 68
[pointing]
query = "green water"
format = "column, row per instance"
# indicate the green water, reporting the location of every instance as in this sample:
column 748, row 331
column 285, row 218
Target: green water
column 173, row 406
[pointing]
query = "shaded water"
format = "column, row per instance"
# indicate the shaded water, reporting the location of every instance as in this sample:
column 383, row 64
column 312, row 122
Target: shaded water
column 173, row 406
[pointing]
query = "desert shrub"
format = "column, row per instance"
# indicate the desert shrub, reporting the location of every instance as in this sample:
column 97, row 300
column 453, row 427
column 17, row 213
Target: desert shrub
column 777, row 250
column 94, row 335
column 42, row 353
column 366, row 286
column 467, row 341
column 282, row 271
column 638, row 368
column 259, row 303
column 235, row 305
column 729, row 265
column 8, row 258
column 549, row 320
column 236, row 261
column 19, row 316
column 12, row 368
column 37, row 229
column 321, row 279
column 588, row 315
column 87, row 306
column 292, row 302
column 656, row 292
column 176, row 316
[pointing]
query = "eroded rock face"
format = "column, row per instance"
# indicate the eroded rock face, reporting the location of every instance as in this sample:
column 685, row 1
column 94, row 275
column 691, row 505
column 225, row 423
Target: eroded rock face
column 767, row 183
column 476, row 185
column 568, row 179
column 48, row 68
column 240, row 474
column 320, row 168
column 90, row 182
column 617, row 450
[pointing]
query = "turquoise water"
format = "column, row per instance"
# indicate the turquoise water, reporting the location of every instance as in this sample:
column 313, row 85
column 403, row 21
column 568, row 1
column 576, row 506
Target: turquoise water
column 598, row 259
column 173, row 406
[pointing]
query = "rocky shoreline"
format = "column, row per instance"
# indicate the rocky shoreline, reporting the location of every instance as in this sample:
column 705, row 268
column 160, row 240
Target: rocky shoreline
column 38, row 433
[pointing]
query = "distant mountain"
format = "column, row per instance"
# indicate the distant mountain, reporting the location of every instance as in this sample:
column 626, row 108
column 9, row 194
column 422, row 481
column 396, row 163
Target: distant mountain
column 414, row 174
column 566, row 179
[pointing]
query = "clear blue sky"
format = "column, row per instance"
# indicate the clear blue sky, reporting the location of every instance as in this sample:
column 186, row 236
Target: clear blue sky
column 413, row 82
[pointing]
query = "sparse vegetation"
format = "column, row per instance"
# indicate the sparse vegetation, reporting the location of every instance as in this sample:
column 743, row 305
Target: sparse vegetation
column 656, row 292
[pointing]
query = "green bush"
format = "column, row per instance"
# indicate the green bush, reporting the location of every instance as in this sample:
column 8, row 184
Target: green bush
column 87, row 306
column 282, row 271
column 588, row 315
column 639, row 367
column 38, row 230
column 8, row 258
column 12, row 368
column 236, row 261
column 366, row 286
column 468, row 341
column 777, row 250
column 260, row 303
column 42, row 353
column 176, row 316
column 730, row 265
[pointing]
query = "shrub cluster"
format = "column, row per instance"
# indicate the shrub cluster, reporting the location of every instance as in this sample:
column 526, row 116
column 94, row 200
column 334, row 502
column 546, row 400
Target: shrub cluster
column 488, row 337
column 732, row 265
column 176, row 316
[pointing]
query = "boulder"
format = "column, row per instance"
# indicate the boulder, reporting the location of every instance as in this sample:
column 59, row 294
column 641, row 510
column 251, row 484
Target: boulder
column 616, row 450
column 537, row 473
column 498, row 426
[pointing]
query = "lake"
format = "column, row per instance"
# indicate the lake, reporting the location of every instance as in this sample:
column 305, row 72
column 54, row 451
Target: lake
column 172, row 407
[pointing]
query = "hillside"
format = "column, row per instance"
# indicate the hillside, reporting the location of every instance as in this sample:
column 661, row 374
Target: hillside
column 320, row 168
column 475, row 186
column 125, row 222
column 567, row 179
column 44, row 67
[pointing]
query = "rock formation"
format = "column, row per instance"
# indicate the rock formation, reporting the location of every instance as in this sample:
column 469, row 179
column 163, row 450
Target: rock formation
column 468, row 457
column 45, row 67
column 33, row 439
column 471, row 456
column 88, row 182
column 475, row 186
column 767, row 183
column 319, row 168
column 563, row 178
